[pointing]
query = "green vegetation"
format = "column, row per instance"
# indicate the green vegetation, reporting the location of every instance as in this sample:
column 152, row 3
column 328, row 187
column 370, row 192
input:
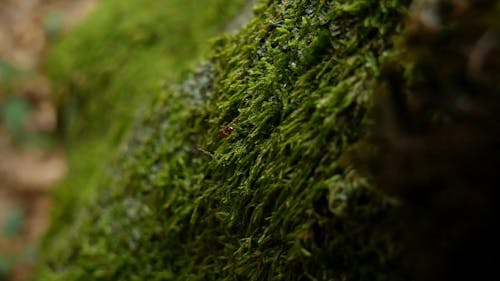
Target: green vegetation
column 278, row 199
column 279, row 196
column 15, row 110
column 111, row 65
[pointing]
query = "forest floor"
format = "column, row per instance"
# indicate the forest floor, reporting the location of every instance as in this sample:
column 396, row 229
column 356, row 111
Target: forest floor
column 31, row 155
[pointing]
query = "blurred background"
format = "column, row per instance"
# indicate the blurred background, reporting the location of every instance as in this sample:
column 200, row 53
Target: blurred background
column 31, row 156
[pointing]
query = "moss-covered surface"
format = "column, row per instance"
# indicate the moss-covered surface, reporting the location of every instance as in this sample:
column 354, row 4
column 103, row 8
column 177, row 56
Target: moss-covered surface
column 271, row 201
column 276, row 199
column 114, row 63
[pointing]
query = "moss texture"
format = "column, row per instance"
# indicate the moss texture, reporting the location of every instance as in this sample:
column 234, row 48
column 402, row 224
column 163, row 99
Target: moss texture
column 110, row 66
column 278, row 197
column 271, row 201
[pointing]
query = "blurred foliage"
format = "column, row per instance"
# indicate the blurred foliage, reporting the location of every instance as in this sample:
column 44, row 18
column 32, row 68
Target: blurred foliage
column 14, row 111
column 6, row 264
column 8, row 73
column 53, row 24
column 13, row 223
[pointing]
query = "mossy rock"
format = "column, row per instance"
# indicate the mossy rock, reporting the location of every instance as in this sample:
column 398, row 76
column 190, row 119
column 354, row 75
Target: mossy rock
column 279, row 195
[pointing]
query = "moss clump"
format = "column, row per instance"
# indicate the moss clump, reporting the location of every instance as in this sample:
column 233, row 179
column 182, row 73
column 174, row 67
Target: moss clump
column 272, row 200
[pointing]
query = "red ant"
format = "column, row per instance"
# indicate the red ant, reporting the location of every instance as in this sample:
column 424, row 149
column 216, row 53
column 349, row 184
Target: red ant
column 226, row 131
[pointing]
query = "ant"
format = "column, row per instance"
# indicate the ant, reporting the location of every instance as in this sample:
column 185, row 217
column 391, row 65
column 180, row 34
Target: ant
column 226, row 131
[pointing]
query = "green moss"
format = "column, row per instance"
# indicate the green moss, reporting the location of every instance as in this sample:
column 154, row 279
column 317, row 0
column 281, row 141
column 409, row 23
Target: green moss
column 272, row 200
column 116, row 61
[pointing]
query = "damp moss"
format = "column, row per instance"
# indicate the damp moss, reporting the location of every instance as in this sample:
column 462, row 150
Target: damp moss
column 270, row 201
